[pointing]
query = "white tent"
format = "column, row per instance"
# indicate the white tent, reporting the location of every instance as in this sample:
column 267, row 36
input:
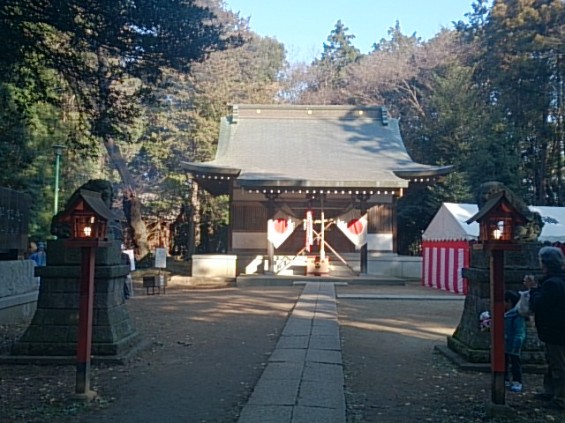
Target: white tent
column 447, row 239
column 450, row 223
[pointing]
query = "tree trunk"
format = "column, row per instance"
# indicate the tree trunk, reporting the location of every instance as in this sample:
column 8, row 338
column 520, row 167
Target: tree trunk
column 131, row 202
column 119, row 162
column 132, row 209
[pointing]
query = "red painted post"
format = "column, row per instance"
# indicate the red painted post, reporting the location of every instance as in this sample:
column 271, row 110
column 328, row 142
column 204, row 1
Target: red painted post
column 84, row 335
column 497, row 325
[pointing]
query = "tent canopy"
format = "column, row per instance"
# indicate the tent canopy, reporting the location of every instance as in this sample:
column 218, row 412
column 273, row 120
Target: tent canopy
column 449, row 223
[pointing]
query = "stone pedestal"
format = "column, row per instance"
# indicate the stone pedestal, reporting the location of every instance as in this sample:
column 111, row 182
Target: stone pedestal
column 18, row 290
column 214, row 265
column 468, row 341
column 53, row 330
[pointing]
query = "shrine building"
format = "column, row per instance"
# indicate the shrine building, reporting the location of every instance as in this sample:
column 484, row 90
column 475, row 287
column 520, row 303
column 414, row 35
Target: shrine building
column 316, row 184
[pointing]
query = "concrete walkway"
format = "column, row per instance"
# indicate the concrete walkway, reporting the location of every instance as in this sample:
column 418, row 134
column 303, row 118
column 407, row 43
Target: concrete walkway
column 303, row 381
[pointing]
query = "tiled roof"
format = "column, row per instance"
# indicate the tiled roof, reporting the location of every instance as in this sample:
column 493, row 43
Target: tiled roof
column 317, row 146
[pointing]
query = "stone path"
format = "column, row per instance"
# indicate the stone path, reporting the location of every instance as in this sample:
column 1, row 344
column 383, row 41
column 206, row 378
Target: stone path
column 303, row 381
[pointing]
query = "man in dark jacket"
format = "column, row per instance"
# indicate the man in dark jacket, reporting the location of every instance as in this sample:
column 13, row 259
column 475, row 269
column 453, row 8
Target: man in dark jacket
column 547, row 301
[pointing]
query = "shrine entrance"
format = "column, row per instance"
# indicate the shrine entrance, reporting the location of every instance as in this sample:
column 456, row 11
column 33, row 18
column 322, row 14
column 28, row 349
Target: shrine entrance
column 313, row 229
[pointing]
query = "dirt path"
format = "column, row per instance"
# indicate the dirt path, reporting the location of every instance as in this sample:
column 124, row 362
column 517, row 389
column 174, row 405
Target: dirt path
column 391, row 367
column 394, row 375
column 208, row 350
column 209, row 347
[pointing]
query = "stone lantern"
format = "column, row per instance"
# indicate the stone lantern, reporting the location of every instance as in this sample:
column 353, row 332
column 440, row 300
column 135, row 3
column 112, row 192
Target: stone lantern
column 81, row 311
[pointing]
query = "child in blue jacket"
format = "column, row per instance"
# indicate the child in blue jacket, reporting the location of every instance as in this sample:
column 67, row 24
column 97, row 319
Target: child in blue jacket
column 514, row 337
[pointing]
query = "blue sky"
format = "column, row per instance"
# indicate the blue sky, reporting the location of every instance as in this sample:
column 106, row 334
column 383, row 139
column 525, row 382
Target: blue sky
column 304, row 25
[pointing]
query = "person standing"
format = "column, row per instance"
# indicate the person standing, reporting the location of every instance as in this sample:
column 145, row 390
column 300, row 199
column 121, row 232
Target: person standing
column 39, row 256
column 514, row 337
column 547, row 302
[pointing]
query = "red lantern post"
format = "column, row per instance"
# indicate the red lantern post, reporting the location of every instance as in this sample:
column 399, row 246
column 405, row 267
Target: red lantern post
column 88, row 216
column 84, row 339
column 497, row 325
column 497, row 219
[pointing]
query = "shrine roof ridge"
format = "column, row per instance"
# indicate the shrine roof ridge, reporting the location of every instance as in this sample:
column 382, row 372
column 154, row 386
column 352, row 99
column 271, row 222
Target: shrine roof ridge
column 272, row 111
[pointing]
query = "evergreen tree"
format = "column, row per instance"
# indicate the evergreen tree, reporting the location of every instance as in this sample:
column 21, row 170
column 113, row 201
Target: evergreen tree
column 520, row 45
column 108, row 53
column 329, row 72
column 339, row 51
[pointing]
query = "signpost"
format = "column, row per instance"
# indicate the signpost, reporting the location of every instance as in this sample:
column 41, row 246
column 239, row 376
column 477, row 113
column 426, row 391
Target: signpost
column 160, row 263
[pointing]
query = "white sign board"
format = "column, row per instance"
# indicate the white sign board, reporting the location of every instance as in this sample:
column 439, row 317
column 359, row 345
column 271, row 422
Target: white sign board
column 131, row 259
column 160, row 258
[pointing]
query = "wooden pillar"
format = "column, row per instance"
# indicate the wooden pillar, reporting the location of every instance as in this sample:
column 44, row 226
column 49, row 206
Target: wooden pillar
column 271, row 210
column 363, row 253
column 230, row 219
column 271, row 257
column 393, row 223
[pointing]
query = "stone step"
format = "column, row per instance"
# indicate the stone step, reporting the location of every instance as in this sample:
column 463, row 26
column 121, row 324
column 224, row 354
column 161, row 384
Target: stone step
column 280, row 280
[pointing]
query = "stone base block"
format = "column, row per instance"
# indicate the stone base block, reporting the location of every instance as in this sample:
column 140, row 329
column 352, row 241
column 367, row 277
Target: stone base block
column 54, row 328
column 214, row 265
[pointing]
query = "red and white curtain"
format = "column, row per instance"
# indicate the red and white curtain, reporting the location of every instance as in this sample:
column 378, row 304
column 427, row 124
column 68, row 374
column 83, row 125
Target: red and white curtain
column 280, row 228
column 442, row 265
column 354, row 227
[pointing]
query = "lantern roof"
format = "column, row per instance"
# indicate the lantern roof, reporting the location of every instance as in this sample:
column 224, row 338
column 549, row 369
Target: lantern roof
column 310, row 146
column 496, row 205
column 86, row 200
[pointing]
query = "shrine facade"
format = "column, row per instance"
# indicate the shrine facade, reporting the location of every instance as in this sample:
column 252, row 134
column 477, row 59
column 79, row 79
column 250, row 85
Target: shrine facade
column 310, row 181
